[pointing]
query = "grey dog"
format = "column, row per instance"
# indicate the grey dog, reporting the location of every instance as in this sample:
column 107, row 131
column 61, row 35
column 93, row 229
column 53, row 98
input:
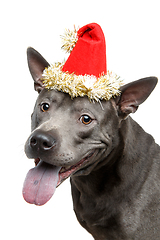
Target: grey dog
column 113, row 163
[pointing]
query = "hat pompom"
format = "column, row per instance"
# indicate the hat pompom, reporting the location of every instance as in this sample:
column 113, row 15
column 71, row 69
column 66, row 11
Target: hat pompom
column 69, row 39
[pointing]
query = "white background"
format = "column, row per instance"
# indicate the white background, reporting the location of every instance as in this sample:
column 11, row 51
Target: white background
column 132, row 30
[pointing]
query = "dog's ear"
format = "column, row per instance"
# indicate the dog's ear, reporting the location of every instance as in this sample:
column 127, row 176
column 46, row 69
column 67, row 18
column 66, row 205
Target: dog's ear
column 133, row 94
column 36, row 64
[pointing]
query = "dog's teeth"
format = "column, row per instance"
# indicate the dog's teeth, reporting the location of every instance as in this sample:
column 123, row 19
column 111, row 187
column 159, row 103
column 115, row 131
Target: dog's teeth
column 62, row 170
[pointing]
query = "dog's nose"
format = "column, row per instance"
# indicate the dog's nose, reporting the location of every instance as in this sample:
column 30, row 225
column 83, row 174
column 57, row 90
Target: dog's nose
column 42, row 141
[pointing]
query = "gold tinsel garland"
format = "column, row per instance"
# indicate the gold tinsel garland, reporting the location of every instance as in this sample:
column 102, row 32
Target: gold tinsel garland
column 105, row 87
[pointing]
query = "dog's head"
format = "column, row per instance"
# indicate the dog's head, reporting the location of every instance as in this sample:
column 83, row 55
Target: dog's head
column 73, row 136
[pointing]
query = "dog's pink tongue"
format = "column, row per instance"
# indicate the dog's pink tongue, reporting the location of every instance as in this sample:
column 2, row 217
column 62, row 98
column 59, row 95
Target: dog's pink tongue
column 40, row 183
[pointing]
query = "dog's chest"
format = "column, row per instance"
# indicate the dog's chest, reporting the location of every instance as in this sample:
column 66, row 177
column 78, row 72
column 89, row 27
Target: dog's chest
column 111, row 223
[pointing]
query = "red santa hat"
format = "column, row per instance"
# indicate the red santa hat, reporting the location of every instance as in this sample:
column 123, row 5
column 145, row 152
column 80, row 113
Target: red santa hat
column 89, row 54
column 85, row 70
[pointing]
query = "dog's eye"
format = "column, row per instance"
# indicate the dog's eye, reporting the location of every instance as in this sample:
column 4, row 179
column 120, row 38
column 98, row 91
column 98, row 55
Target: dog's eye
column 44, row 107
column 85, row 119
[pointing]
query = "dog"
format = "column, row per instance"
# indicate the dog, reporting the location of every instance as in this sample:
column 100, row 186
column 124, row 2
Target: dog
column 113, row 164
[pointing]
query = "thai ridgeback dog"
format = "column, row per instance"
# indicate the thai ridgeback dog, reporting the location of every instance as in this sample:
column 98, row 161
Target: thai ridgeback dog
column 113, row 163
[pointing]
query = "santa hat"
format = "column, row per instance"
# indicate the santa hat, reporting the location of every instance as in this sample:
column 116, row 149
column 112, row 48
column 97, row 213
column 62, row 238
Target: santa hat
column 85, row 71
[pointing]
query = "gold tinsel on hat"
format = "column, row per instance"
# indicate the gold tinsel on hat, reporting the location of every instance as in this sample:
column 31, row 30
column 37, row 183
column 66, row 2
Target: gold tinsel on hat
column 105, row 87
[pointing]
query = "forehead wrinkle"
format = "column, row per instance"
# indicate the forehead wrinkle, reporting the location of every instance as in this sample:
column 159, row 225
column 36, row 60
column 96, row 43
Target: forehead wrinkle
column 59, row 98
column 81, row 103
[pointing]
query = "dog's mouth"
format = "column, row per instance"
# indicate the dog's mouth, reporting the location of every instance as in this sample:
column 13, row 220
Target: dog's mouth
column 42, row 180
column 64, row 173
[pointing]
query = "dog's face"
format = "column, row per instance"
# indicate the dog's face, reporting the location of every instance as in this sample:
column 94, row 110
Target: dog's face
column 73, row 134
column 72, row 137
